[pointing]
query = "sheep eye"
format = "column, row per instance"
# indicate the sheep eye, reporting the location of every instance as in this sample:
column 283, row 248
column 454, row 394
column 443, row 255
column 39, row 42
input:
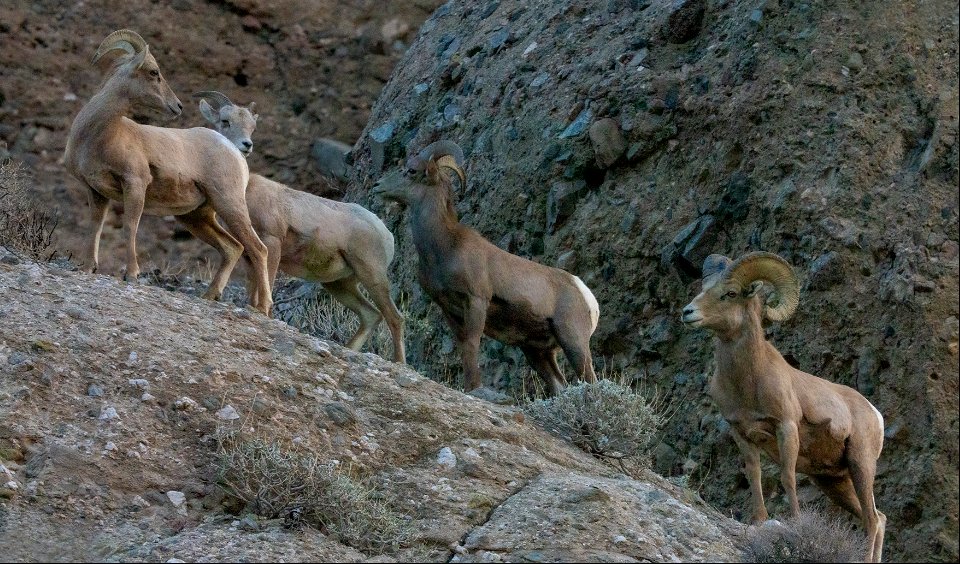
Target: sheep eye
column 731, row 294
column 154, row 73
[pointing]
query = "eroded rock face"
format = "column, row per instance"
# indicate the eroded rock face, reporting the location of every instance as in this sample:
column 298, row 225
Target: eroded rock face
column 775, row 129
column 456, row 467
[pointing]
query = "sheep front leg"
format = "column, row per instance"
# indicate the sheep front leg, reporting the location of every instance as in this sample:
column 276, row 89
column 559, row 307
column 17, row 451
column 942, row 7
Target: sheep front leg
column 134, row 194
column 788, row 439
column 98, row 213
column 468, row 337
column 751, row 467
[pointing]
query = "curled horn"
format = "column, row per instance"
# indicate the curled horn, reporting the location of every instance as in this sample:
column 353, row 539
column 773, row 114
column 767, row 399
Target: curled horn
column 446, row 153
column 219, row 100
column 775, row 270
column 124, row 39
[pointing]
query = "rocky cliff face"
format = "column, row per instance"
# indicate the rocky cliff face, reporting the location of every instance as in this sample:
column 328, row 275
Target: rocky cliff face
column 625, row 141
column 111, row 397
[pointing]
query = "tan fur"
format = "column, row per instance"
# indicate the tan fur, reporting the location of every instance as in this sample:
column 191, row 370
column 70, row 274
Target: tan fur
column 804, row 423
column 483, row 289
column 194, row 174
column 337, row 244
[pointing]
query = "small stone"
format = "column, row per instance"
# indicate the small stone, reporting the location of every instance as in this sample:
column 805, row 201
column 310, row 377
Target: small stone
column 186, row 404
column 406, row 379
column 608, row 143
column 108, row 413
column 340, row 413
column 290, row 392
column 139, row 383
column 132, row 357
column 619, row 539
column 498, row 38
column 855, row 62
column 756, row 16
column 178, row 499
column 250, row 23
column 685, row 20
column 249, row 523
column 578, row 126
column 77, row 313
column 420, row 88
column 446, row 458
column 147, row 397
column 228, row 413
column 94, row 391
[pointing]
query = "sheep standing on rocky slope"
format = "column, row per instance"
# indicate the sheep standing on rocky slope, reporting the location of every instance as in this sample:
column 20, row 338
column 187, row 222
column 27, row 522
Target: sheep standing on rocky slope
column 484, row 289
column 828, row 431
column 338, row 244
column 193, row 174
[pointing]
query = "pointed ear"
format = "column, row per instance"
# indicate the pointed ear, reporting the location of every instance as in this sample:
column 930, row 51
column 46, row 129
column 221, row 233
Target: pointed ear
column 754, row 288
column 208, row 113
column 252, row 106
column 432, row 171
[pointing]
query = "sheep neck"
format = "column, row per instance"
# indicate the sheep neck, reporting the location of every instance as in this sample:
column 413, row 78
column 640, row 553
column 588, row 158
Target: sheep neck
column 102, row 113
column 434, row 221
column 740, row 354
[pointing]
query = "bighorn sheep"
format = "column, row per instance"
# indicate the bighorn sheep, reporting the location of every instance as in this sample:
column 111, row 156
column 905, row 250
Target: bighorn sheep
column 338, row 244
column 194, row 174
column 484, row 289
column 828, row 431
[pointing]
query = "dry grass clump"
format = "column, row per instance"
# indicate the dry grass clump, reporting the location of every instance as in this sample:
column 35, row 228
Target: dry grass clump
column 277, row 481
column 26, row 228
column 809, row 537
column 605, row 419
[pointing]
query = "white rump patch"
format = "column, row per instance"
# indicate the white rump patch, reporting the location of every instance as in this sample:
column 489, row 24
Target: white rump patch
column 591, row 302
column 879, row 417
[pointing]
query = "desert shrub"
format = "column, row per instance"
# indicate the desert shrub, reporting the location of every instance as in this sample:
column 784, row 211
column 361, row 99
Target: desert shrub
column 809, row 537
column 26, row 228
column 606, row 419
column 277, row 481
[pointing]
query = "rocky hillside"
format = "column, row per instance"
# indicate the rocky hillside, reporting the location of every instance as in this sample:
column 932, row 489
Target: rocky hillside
column 314, row 69
column 112, row 397
column 626, row 140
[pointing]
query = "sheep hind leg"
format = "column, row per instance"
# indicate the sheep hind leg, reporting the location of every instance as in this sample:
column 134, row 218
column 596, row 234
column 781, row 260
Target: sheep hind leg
column 202, row 223
column 347, row 293
column 235, row 215
column 577, row 351
column 373, row 275
column 544, row 361
column 380, row 294
column 874, row 522
column 98, row 214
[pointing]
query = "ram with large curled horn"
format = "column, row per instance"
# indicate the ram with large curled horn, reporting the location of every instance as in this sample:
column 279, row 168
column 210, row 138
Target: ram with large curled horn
column 193, row 174
column 804, row 423
column 483, row 289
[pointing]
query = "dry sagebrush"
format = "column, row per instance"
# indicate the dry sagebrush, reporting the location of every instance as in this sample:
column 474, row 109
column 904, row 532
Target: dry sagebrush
column 26, row 228
column 276, row 481
column 605, row 419
column 809, row 537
